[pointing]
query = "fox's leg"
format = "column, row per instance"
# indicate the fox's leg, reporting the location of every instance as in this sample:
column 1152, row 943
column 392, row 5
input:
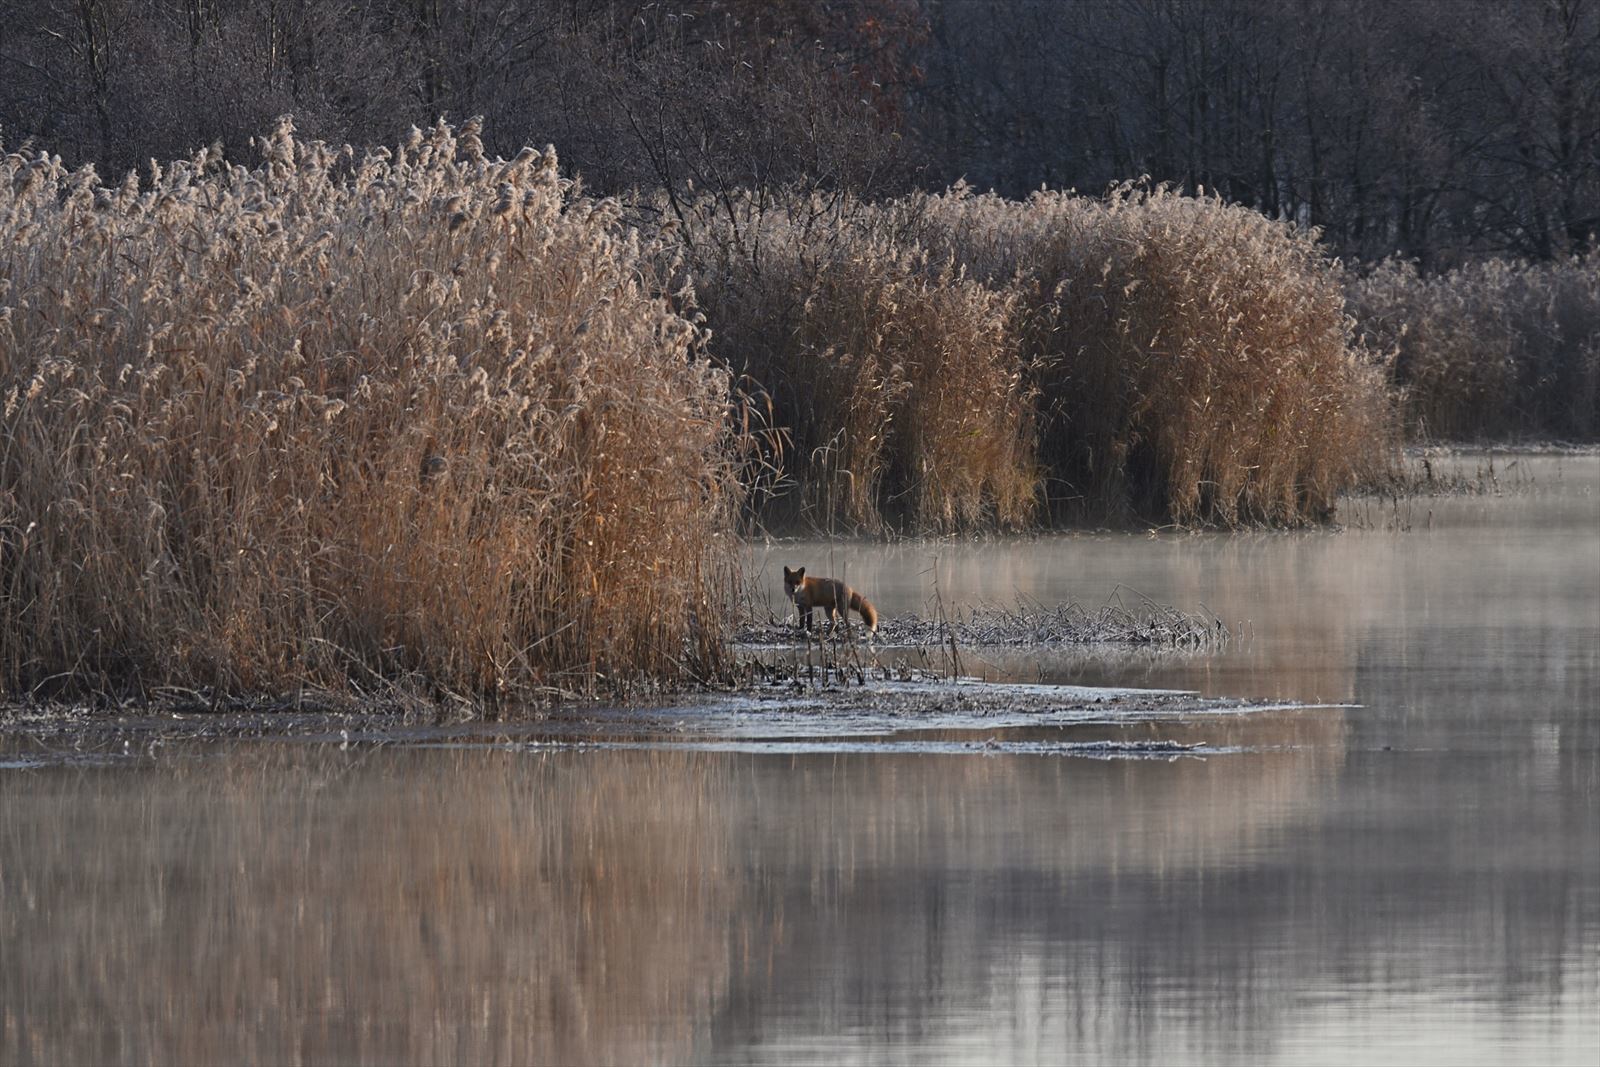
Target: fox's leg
column 805, row 615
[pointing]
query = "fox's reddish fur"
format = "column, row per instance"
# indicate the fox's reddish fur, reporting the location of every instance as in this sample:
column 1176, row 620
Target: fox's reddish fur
column 829, row 594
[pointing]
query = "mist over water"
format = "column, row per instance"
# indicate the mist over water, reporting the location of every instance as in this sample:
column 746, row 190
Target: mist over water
column 1414, row 879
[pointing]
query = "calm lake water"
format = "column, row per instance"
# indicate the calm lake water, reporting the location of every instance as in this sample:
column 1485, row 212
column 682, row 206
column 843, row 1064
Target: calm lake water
column 1412, row 878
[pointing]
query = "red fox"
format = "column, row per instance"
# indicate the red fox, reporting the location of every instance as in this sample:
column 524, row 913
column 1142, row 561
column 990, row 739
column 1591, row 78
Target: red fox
column 829, row 594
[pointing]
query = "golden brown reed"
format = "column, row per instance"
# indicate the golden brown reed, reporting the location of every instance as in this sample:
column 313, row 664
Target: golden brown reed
column 949, row 361
column 1491, row 350
column 420, row 416
column 437, row 419
column 1193, row 359
column 896, row 377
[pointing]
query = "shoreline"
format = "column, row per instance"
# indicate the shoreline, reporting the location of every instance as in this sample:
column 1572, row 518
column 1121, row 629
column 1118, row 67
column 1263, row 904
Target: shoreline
column 962, row 714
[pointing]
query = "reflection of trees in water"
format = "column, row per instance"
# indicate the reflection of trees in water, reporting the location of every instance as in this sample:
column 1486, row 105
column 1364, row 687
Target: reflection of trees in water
column 1500, row 743
column 287, row 904
column 1124, row 908
column 906, row 882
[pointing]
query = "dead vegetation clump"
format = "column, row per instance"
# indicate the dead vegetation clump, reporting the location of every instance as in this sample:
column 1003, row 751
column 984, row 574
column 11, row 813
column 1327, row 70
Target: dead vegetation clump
column 1149, row 625
column 1144, row 624
column 1492, row 350
column 948, row 361
column 418, row 417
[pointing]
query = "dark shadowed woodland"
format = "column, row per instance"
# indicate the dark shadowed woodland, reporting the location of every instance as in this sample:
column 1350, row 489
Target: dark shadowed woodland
column 1434, row 130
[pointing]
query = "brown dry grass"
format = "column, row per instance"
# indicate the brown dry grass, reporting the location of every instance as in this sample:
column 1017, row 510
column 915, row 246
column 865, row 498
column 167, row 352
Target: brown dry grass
column 421, row 416
column 432, row 419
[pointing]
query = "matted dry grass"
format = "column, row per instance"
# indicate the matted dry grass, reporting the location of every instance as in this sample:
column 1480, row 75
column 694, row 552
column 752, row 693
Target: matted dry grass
column 1146, row 624
column 418, row 417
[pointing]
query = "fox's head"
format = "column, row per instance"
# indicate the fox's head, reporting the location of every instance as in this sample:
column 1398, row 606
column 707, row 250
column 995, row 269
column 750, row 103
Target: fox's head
column 792, row 580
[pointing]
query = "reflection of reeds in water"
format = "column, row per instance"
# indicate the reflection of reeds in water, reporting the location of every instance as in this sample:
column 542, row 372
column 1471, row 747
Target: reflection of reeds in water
column 287, row 903
column 1140, row 911
column 1070, row 816
column 290, row 904
column 936, row 881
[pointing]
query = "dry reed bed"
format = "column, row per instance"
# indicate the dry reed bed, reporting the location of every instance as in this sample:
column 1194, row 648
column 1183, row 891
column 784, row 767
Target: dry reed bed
column 420, row 417
column 956, row 360
column 894, row 379
column 1491, row 350
column 1194, row 359
column 429, row 418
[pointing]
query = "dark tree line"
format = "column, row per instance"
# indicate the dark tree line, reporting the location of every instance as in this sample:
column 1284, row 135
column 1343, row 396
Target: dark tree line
column 1431, row 128
column 1428, row 127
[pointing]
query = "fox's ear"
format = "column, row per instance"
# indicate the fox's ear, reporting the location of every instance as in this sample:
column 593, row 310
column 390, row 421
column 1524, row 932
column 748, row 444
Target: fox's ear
column 787, row 573
column 800, row 572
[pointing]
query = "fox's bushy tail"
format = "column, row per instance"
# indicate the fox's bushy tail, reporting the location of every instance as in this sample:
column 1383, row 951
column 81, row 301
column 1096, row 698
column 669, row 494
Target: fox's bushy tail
column 869, row 614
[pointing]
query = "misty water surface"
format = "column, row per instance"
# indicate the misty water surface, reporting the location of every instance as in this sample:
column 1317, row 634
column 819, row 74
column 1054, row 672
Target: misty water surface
column 1414, row 879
